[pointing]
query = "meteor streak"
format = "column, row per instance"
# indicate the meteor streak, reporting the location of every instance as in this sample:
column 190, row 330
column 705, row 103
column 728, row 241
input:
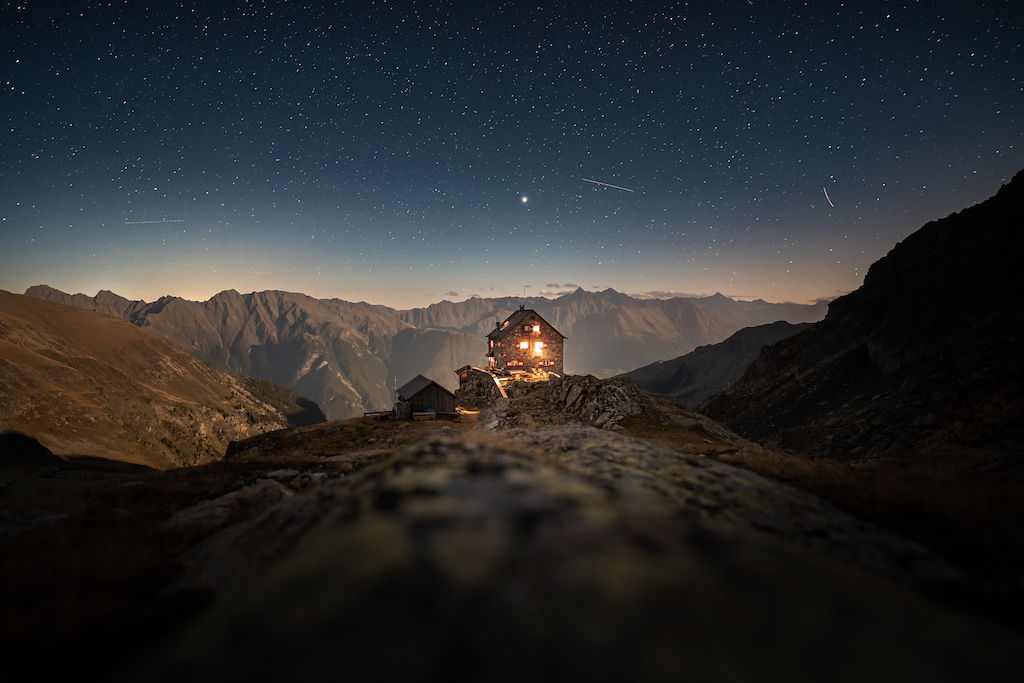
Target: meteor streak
column 598, row 182
column 826, row 197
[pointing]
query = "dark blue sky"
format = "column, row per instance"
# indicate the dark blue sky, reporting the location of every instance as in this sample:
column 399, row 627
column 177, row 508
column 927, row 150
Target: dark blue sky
column 405, row 152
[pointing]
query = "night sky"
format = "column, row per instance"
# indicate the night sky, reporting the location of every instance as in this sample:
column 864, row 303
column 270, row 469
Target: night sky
column 407, row 152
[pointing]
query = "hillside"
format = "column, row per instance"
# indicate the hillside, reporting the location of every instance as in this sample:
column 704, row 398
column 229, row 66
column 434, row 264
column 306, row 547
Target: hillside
column 709, row 369
column 90, row 385
column 923, row 361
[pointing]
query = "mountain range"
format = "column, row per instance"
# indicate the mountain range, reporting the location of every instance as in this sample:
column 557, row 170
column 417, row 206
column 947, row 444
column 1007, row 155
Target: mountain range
column 348, row 357
column 87, row 385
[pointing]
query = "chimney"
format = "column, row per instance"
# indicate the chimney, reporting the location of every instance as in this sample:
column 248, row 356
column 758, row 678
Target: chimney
column 521, row 307
column 497, row 324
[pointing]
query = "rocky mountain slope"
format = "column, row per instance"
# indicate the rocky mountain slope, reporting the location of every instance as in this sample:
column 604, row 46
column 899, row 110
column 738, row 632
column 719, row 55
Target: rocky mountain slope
column 709, row 369
column 90, row 385
column 922, row 362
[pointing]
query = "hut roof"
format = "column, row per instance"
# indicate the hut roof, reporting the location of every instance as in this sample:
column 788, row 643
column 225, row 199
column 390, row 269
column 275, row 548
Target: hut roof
column 515, row 319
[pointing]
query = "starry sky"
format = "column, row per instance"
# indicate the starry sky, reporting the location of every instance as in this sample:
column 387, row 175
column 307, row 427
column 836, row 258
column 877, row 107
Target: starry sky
column 403, row 153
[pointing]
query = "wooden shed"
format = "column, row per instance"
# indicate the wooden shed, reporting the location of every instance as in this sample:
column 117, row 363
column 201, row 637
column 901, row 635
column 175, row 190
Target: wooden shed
column 423, row 394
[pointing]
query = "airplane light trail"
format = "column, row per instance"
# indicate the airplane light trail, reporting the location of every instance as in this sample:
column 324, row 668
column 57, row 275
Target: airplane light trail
column 826, row 197
column 598, row 182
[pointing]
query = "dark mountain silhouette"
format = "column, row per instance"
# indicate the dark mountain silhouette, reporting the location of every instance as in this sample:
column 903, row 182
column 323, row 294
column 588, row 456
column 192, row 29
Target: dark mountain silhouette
column 922, row 361
column 708, row 369
column 89, row 385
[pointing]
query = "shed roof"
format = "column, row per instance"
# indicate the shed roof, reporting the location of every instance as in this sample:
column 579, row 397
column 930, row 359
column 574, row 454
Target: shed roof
column 415, row 386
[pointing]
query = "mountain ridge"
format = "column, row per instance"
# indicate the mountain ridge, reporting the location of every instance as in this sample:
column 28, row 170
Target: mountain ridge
column 344, row 356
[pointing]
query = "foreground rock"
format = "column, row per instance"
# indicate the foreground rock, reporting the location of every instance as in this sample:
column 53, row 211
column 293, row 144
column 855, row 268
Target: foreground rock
column 568, row 552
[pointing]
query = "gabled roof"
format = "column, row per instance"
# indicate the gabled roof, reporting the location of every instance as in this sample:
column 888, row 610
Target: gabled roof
column 515, row 319
column 415, row 386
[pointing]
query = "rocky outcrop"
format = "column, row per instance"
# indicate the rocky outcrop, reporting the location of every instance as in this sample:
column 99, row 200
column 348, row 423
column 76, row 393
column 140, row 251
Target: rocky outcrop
column 572, row 399
column 480, row 389
column 925, row 353
column 568, row 552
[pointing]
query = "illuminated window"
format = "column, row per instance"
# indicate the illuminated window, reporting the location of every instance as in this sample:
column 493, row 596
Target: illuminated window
column 492, row 343
column 524, row 344
column 538, row 348
column 536, row 328
column 514, row 364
